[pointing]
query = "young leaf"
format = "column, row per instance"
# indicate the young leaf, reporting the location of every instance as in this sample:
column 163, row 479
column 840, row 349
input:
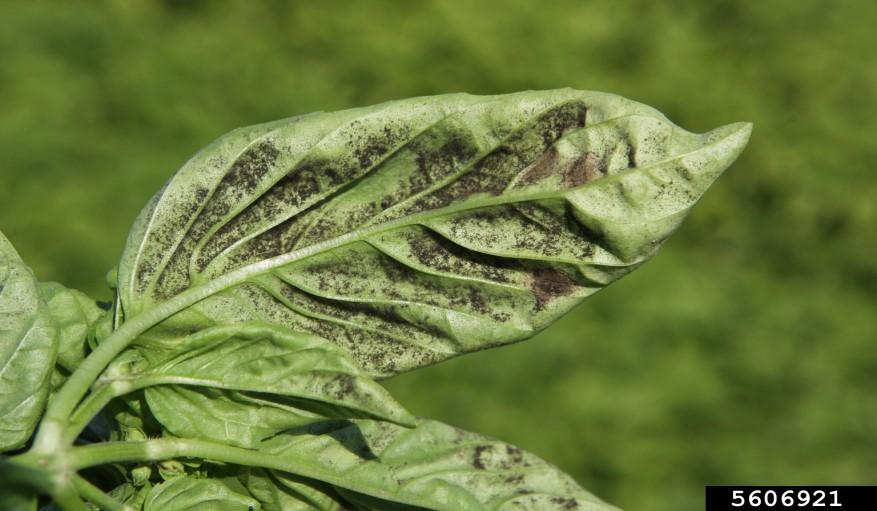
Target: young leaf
column 433, row 466
column 189, row 494
column 249, row 357
column 416, row 230
column 131, row 495
column 28, row 342
column 75, row 314
column 130, row 418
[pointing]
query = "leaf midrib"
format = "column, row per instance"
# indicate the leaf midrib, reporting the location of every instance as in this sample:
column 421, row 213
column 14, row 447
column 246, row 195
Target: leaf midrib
column 417, row 218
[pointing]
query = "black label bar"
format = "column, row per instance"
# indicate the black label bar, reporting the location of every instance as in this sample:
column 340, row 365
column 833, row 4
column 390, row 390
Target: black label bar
column 788, row 498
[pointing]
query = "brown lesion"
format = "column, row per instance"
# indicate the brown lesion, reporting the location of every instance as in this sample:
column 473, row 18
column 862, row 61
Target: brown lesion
column 588, row 167
column 541, row 168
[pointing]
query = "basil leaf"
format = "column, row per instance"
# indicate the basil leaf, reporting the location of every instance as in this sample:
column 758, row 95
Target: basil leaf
column 416, row 230
column 28, row 343
column 188, row 494
column 433, row 465
column 131, row 495
column 368, row 503
column 130, row 418
column 233, row 418
column 251, row 357
column 278, row 491
column 75, row 315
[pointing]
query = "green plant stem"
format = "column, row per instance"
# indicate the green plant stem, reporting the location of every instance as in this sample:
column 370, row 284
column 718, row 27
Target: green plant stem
column 50, row 435
column 98, row 399
column 170, row 448
column 62, row 405
column 26, row 471
column 96, row 496
column 68, row 499
column 91, row 406
column 20, row 475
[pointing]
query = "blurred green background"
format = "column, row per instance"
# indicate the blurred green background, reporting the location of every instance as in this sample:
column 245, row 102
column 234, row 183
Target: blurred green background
column 743, row 354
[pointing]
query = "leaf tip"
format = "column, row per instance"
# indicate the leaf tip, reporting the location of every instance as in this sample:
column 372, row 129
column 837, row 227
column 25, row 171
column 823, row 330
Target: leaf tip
column 732, row 138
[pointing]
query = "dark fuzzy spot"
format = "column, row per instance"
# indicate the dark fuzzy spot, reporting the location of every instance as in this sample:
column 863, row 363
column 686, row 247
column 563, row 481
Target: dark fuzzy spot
column 565, row 503
column 515, row 479
column 342, row 386
column 174, row 278
column 435, row 251
column 477, row 458
column 374, row 147
column 248, row 170
column 306, row 187
column 548, row 284
column 516, row 455
column 379, row 350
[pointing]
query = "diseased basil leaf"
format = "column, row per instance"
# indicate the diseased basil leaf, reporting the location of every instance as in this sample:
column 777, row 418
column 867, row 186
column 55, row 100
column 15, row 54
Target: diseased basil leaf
column 28, row 343
column 433, row 466
column 189, row 494
column 253, row 358
column 416, row 230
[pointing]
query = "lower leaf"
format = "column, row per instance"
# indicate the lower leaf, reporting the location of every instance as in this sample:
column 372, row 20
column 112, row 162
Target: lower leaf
column 28, row 345
column 189, row 494
column 279, row 491
column 434, row 466
column 250, row 359
column 234, row 418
